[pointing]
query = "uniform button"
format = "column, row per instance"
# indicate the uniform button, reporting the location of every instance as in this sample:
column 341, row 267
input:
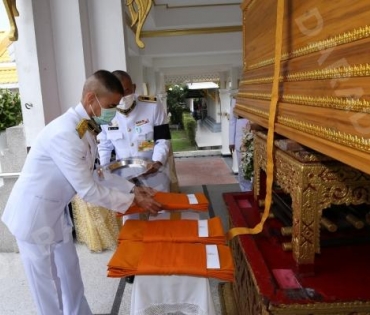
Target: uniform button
column 129, row 129
column 132, row 144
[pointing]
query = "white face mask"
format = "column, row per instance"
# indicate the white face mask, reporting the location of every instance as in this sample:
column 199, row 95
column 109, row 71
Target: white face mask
column 126, row 101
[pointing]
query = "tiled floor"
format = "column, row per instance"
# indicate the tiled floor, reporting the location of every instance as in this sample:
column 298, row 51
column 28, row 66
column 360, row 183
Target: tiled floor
column 207, row 170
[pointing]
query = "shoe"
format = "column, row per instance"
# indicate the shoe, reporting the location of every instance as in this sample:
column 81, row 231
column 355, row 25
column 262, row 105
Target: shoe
column 130, row 279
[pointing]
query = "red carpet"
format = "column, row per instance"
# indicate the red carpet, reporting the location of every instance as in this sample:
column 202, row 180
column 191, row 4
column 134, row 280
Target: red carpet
column 209, row 170
column 341, row 272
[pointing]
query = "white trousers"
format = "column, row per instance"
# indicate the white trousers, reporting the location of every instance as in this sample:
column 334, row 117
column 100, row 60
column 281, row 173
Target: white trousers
column 54, row 277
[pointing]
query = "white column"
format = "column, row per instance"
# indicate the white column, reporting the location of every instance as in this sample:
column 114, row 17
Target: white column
column 235, row 77
column 60, row 44
column 162, row 97
column 135, row 69
column 36, row 66
column 106, row 22
column 225, row 109
column 161, row 89
column 161, row 86
column 150, row 80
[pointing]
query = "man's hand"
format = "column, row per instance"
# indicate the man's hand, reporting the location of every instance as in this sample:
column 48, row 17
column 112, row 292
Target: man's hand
column 144, row 199
column 153, row 167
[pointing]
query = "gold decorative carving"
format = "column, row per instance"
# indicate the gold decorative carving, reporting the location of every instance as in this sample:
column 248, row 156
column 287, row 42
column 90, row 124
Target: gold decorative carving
column 313, row 186
column 263, row 80
column 353, row 141
column 139, row 10
column 257, row 96
column 256, row 112
column 342, row 103
column 360, row 70
column 244, row 285
column 12, row 12
column 345, row 38
column 193, row 31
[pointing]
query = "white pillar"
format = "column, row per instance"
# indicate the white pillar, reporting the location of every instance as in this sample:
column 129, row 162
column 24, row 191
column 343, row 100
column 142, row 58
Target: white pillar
column 225, row 110
column 234, row 77
column 150, row 80
column 55, row 54
column 106, row 22
column 161, row 86
column 135, row 69
column 29, row 68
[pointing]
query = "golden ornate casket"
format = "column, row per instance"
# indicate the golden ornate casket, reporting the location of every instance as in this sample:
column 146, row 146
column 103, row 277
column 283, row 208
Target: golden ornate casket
column 323, row 90
column 306, row 75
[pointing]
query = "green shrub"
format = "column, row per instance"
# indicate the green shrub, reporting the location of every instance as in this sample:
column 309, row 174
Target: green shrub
column 190, row 125
column 10, row 109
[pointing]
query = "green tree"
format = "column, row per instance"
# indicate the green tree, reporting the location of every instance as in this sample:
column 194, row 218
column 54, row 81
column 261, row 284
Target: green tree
column 176, row 103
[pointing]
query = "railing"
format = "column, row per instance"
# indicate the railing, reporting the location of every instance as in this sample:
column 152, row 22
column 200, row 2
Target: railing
column 9, row 175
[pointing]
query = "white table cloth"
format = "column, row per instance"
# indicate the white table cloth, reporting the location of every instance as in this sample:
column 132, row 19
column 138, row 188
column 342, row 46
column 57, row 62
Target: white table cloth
column 160, row 295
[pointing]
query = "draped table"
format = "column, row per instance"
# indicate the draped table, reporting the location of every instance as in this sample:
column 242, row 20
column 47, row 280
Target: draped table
column 159, row 295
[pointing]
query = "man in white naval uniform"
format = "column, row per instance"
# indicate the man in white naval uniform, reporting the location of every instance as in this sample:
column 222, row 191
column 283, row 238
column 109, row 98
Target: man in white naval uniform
column 237, row 128
column 139, row 130
column 59, row 165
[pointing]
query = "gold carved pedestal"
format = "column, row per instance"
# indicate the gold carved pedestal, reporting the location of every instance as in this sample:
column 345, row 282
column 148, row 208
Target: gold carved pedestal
column 314, row 182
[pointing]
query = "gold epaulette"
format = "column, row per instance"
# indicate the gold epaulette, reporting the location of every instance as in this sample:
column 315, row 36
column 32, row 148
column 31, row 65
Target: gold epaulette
column 146, row 98
column 87, row 125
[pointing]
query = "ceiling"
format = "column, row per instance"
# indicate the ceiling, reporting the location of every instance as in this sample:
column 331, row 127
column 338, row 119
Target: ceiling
column 191, row 40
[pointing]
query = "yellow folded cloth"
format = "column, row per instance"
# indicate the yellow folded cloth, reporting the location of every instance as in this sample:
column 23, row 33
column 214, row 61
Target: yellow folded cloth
column 176, row 201
column 172, row 231
column 166, row 258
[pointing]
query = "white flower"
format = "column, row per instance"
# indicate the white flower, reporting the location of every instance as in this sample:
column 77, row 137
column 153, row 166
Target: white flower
column 247, row 149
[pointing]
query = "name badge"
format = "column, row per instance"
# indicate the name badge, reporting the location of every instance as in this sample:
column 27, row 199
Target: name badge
column 113, row 128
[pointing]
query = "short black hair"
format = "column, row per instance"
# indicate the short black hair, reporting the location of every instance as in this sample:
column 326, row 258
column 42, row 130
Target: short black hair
column 109, row 81
column 122, row 75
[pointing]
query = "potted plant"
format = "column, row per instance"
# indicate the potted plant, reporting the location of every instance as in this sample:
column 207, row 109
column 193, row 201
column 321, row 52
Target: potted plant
column 10, row 112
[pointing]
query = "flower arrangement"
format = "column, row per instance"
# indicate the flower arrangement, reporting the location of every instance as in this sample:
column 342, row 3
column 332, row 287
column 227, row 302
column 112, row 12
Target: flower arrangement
column 10, row 109
column 246, row 150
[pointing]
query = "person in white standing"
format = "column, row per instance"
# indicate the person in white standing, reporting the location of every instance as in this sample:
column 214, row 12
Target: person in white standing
column 140, row 129
column 237, row 127
column 59, row 165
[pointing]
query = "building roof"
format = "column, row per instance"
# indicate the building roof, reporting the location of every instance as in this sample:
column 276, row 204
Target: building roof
column 8, row 75
column 8, row 71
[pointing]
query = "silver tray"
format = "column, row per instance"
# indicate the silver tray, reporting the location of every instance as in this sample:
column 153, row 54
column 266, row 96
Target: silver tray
column 126, row 163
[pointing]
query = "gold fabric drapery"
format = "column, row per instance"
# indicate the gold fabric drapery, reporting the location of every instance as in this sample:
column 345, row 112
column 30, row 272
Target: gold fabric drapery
column 95, row 226
column 271, row 128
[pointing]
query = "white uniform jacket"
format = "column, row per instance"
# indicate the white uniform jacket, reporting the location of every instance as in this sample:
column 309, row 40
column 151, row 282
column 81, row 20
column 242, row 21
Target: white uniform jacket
column 236, row 127
column 132, row 136
column 58, row 165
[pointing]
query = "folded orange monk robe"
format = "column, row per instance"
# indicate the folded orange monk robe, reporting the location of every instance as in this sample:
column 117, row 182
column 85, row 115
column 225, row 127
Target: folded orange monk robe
column 172, row 231
column 166, row 258
column 176, row 201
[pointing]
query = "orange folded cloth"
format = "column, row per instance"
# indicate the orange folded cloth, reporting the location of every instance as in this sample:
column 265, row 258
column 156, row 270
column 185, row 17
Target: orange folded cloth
column 172, row 231
column 166, row 258
column 176, row 201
